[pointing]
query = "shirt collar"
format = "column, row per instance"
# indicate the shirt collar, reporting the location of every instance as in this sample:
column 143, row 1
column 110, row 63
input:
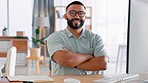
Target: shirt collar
column 69, row 34
column 83, row 34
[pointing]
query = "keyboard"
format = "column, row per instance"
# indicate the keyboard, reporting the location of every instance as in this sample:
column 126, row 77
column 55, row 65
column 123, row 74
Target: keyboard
column 116, row 78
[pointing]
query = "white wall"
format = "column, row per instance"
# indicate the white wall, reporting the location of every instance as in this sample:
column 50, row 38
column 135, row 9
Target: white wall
column 138, row 42
column 3, row 15
column 20, row 17
column 66, row 2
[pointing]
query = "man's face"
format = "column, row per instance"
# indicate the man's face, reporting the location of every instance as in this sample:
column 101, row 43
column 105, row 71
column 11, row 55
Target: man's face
column 75, row 16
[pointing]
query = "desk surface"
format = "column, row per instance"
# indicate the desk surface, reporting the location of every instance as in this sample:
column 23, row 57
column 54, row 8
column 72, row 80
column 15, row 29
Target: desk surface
column 12, row 37
column 82, row 78
column 90, row 78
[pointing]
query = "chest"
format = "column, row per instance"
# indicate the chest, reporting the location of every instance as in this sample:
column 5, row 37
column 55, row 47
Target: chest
column 83, row 45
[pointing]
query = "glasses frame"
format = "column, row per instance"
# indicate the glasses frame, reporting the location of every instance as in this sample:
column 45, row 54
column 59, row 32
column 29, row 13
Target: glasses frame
column 77, row 12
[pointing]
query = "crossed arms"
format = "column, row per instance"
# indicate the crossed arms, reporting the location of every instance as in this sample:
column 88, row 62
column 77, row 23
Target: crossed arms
column 80, row 61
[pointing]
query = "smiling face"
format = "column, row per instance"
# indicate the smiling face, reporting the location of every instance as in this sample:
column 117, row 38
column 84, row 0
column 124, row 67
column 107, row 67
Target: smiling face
column 75, row 16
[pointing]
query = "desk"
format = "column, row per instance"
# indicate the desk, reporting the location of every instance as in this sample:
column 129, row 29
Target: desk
column 3, row 54
column 82, row 78
column 7, row 41
column 90, row 78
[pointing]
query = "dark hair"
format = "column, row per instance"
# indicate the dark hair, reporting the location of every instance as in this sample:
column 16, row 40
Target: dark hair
column 75, row 2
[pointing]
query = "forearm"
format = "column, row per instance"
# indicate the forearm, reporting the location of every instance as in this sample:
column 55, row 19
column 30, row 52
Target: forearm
column 98, row 63
column 78, row 58
column 70, row 59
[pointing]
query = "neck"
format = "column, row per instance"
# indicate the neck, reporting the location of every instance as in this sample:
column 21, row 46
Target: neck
column 75, row 32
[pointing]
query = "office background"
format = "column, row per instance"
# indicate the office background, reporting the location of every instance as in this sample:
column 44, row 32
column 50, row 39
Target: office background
column 109, row 20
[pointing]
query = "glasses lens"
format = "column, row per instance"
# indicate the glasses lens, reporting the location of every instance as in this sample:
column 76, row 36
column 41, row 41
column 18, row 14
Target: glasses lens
column 72, row 13
column 81, row 13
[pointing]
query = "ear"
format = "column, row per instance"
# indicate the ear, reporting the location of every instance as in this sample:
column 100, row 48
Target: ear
column 65, row 16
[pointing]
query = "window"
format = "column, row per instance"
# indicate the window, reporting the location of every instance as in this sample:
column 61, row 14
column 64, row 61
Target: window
column 110, row 21
column 17, row 15
column 3, row 15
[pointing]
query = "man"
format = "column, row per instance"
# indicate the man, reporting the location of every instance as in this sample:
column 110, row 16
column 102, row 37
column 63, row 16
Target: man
column 74, row 50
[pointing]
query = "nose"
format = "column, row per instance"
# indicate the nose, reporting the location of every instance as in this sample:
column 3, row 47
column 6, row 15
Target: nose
column 77, row 15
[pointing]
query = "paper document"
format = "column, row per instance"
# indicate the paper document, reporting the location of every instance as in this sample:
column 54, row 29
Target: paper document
column 37, row 78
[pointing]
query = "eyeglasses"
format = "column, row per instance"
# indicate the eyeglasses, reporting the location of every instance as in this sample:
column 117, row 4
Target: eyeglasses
column 73, row 13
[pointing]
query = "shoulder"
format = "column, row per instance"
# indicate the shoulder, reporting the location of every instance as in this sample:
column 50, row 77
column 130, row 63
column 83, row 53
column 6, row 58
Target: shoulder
column 57, row 34
column 92, row 34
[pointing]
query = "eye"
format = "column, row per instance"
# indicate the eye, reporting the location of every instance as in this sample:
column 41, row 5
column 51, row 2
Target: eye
column 72, row 12
column 81, row 13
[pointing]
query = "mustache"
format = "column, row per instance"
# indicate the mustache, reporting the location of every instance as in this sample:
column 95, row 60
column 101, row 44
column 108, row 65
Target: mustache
column 75, row 19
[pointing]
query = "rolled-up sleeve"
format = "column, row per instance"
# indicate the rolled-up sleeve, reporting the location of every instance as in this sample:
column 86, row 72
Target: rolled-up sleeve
column 53, row 44
column 99, row 46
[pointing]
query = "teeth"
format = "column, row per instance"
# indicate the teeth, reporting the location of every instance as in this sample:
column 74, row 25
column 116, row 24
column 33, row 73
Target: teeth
column 76, row 21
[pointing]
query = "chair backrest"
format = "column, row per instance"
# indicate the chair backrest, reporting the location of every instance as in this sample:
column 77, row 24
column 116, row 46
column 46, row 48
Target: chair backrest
column 11, row 61
column 35, row 53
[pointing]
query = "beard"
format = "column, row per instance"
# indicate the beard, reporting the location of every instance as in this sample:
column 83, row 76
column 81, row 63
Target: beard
column 75, row 26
